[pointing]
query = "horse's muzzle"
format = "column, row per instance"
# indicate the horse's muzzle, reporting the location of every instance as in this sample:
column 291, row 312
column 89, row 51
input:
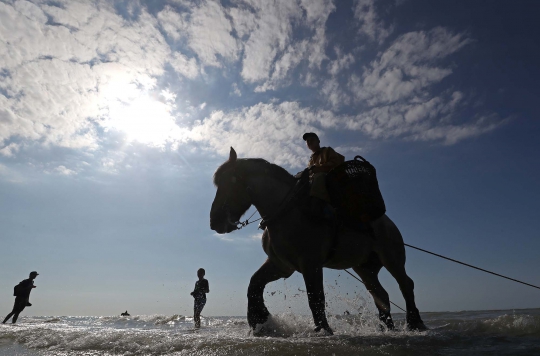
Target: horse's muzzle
column 222, row 227
column 221, row 224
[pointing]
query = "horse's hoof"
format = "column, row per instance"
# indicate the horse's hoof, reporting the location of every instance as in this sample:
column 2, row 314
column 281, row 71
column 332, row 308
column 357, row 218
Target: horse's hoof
column 258, row 318
column 329, row 331
column 383, row 328
column 326, row 328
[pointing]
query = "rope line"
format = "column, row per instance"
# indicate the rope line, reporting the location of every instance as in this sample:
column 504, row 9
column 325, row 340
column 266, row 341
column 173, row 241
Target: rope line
column 252, row 214
column 358, row 279
column 468, row 265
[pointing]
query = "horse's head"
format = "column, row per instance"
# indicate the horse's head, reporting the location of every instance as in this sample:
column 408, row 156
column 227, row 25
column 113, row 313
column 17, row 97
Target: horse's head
column 232, row 199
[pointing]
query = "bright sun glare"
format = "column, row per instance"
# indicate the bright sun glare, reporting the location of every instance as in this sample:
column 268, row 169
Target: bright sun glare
column 141, row 117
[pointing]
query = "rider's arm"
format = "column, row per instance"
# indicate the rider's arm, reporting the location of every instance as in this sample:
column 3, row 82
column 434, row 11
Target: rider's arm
column 331, row 160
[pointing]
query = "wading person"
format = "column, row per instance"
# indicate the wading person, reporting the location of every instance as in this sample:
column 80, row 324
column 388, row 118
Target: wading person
column 22, row 296
column 320, row 163
column 199, row 293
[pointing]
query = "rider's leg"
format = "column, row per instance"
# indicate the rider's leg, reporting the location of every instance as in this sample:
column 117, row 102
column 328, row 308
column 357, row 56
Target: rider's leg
column 320, row 199
column 313, row 277
column 268, row 272
column 318, row 187
column 369, row 275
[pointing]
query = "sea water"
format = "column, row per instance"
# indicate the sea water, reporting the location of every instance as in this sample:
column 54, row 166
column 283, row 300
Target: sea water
column 501, row 332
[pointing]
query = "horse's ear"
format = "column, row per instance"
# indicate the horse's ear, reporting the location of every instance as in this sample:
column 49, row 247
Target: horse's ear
column 232, row 155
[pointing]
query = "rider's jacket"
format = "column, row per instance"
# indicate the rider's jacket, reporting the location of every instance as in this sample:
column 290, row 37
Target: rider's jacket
column 326, row 157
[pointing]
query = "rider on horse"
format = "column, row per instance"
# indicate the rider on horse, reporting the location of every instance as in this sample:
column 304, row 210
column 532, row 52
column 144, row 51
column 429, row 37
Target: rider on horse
column 322, row 161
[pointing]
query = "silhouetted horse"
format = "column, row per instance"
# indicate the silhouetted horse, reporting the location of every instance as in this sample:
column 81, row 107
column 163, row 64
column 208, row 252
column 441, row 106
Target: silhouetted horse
column 294, row 241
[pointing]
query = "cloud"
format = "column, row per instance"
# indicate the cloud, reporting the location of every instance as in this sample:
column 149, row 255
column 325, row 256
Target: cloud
column 424, row 119
column 78, row 75
column 272, row 131
column 235, row 90
column 269, row 131
column 342, row 62
column 64, row 171
column 451, row 134
column 62, row 74
column 10, row 150
column 240, row 239
column 210, row 34
column 396, row 96
column 333, row 93
column 407, row 66
column 173, row 23
column 185, row 66
column 206, row 29
column 270, row 53
column 370, row 24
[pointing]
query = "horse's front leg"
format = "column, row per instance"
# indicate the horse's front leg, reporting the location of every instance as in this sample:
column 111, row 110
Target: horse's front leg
column 257, row 312
column 313, row 277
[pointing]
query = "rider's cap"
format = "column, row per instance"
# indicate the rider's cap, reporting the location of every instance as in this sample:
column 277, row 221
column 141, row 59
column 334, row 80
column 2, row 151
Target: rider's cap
column 309, row 135
column 34, row 273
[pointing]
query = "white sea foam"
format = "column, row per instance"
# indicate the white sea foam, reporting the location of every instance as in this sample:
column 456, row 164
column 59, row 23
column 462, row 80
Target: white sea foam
column 286, row 334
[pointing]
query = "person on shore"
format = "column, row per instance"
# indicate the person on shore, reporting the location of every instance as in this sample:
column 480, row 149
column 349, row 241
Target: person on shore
column 22, row 296
column 199, row 293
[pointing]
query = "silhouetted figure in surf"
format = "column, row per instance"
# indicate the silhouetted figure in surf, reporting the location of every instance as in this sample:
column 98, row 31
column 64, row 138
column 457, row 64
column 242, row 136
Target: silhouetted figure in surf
column 199, row 293
column 125, row 314
column 22, row 296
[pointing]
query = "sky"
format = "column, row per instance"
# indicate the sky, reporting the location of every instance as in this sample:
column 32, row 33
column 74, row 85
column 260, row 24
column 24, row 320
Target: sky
column 115, row 114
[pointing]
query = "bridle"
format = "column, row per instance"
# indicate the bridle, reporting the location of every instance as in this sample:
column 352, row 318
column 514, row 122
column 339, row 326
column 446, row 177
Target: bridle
column 225, row 206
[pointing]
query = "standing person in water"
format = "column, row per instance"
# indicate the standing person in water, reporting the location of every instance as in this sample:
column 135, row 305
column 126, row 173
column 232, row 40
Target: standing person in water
column 22, row 296
column 199, row 293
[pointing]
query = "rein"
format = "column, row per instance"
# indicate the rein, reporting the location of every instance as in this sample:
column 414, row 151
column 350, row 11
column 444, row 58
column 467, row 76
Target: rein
column 242, row 224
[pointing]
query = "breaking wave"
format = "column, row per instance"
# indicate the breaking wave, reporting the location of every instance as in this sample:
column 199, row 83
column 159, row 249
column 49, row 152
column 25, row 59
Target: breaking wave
column 284, row 334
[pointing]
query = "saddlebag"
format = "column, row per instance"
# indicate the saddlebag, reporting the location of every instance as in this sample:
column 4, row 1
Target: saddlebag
column 354, row 191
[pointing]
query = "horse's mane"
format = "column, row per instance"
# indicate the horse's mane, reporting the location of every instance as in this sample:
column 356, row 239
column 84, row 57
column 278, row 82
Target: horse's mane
column 247, row 166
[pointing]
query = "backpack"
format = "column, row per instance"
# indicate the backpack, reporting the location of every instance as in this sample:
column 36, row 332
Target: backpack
column 17, row 289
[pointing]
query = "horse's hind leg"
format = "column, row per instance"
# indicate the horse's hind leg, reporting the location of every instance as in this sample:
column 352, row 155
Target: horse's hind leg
column 406, row 285
column 369, row 272
column 257, row 312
